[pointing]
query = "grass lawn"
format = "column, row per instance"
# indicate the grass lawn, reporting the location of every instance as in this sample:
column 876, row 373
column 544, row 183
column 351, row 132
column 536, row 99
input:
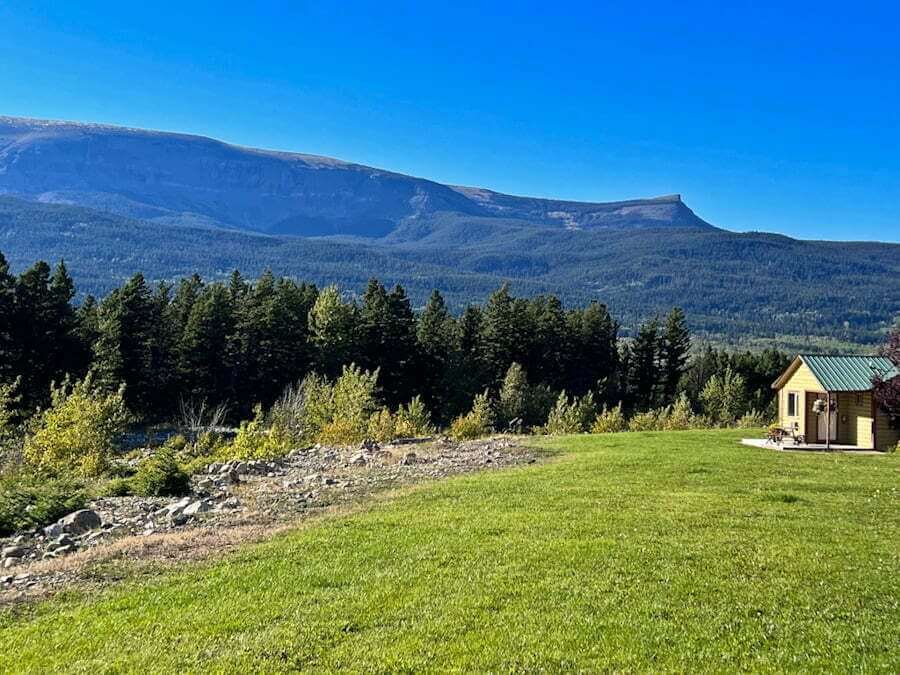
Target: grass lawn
column 656, row 551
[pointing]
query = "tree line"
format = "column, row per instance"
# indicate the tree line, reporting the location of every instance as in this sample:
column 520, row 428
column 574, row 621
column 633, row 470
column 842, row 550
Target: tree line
column 241, row 343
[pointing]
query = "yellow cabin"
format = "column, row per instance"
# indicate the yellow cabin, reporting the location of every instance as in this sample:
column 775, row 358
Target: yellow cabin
column 848, row 414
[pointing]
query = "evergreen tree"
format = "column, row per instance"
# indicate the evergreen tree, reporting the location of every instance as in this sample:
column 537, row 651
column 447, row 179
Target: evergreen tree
column 437, row 342
column 502, row 341
column 595, row 363
column 333, row 328
column 513, row 404
column 44, row 330
column 644, row 370
column 469, row 370
column 123, row 353
column 388, row 341
column 205, row 374
column 9, row 347
column 675, row 345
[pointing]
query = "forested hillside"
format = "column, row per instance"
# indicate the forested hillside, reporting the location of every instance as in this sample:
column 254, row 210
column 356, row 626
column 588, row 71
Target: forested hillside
column 734, row 287
column 240, row 343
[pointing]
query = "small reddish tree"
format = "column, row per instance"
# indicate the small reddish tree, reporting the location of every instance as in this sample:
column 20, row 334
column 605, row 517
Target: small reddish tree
column 887, row 391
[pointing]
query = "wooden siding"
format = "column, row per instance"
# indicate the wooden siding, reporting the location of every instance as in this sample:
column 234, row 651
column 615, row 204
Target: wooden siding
column 855, row 418
column 801, row 381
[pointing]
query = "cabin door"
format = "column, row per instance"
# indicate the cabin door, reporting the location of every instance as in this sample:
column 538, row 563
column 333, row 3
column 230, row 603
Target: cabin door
column 832, row 426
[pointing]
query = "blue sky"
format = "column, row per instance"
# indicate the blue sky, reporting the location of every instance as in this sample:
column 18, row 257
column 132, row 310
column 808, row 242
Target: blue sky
column 762, row 117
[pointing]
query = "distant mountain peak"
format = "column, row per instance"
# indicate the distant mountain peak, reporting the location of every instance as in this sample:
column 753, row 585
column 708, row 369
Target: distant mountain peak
column 189, row 179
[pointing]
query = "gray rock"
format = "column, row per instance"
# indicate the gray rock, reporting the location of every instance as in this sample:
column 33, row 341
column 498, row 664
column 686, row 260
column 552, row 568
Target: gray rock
column 199, row 506
column 6, row 579
column 64, row 550
column 358, row 460
column 53, row 531
column 409, row 459
column 80, row 522
column 11, row 562
column 14, row 552
column 61, row 541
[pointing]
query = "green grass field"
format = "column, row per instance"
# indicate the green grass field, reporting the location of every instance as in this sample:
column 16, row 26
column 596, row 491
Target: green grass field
column 657, row 551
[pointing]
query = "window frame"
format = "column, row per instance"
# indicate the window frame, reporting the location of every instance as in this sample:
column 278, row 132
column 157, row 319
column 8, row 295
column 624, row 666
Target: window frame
column 792, row 396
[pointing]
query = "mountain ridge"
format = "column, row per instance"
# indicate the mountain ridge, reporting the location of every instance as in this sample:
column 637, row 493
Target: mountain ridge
column 293, row 193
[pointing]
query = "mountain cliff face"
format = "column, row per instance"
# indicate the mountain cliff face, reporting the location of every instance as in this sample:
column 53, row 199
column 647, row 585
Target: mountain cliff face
column 193, row 180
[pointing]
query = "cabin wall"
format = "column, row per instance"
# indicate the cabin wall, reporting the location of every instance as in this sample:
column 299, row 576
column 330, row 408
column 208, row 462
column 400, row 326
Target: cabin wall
column 855, row 418
column 800, row 382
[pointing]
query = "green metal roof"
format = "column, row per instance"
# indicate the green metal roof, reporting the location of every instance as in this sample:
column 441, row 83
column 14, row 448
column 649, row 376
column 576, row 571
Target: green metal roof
column 848, row 373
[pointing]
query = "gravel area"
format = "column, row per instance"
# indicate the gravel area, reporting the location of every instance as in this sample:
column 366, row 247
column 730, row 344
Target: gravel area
column 230, row 504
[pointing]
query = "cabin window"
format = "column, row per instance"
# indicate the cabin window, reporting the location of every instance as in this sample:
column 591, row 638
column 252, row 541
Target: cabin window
column 792, row 404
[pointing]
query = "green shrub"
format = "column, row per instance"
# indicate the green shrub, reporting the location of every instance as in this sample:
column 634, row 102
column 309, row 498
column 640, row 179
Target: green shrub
column 176, row 443
column 381, row 426
column 9, row 401
column 160, row 476
column 571, row 417
column 645, row 421
column 28, row 502
column 413, row 420
column 255, row 441
column 117, row 487
column 724, row 397
column 679, row 416
column 195, row 465
column 76, row 433
column 609, row 421
column 207, row 443
column 754, row 419
column 476, row 423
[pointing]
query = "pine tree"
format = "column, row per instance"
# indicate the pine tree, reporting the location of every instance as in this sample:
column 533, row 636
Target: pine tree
column 513, row 404
column 204, row 372
column 502, row 341
column 675, row 345
column 388, row 341
column 644, row 372
column 333, row 328
column 123, row 353
column 595, row 365
column 9, row 348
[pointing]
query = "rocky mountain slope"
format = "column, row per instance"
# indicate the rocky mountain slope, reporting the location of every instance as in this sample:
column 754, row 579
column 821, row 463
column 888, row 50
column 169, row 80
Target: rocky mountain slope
column 193, row 180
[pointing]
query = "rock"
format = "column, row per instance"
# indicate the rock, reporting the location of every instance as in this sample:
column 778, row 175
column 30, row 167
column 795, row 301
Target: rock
column 241, row 468
column 6, row 579
column 53, row 531
column 358, row 460
column 173, row 510
column 199, row 506
column 233, row 477
column 64, row 550
column 11, row 562
column 14, row 552
column 230, row 503
column 61, row 541
column 408, row 459
column 330, row 481
column 214, row 468
column 80, row 522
